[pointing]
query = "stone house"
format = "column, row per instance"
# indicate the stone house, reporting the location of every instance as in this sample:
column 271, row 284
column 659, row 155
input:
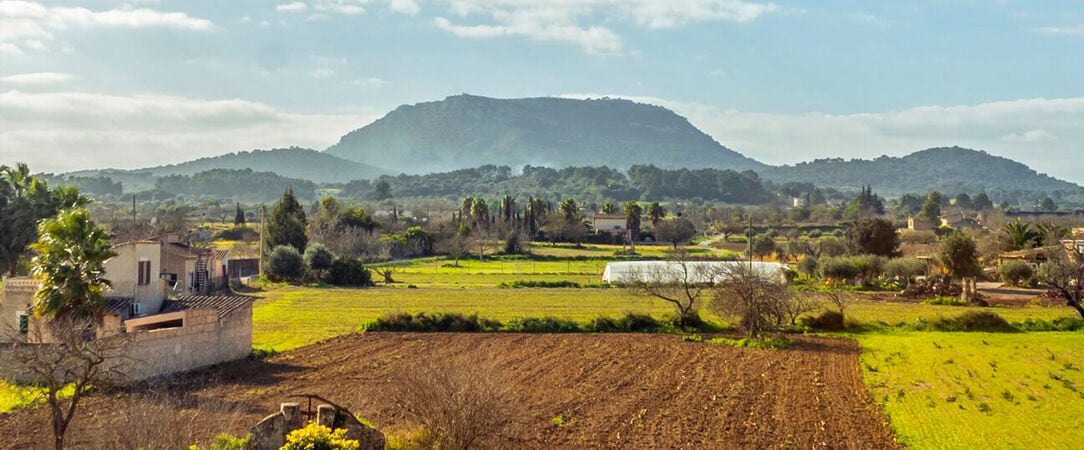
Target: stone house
column 609, row 223
column 916, row 224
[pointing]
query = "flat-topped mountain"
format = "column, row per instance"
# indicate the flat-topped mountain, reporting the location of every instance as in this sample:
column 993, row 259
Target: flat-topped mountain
column 466, row 131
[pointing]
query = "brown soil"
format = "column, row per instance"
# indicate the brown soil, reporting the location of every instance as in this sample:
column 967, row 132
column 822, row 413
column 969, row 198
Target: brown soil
column 613, row 391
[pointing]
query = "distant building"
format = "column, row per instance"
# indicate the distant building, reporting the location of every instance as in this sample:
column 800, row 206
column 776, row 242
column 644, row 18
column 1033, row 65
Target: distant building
column 916, row 224
column 614, row 224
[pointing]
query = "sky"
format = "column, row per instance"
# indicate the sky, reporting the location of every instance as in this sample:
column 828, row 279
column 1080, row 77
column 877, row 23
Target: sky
column 127, row 84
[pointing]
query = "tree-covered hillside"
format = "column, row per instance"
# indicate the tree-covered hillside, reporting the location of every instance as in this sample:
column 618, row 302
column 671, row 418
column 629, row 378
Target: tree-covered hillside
column 947, row 169
column 467, row 131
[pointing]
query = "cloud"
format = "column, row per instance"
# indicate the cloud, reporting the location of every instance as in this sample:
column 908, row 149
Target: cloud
column 562, row 20
column 322, row 73
column 404, row 7
column 38, row 78
column 1075, row 31
column 28, row 24
column 368, row 82
column 61, row 131
column 1049, row 143
column 291, row 7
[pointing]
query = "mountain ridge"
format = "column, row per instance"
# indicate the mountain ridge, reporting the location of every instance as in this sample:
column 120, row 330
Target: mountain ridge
column 464, row 131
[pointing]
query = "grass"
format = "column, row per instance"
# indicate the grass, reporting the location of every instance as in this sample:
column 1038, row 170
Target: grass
column 14, row 397
column 979, row 390
column 897, row 313
column 290, row 317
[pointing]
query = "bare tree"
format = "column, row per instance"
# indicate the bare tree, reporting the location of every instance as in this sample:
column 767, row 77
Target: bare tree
column 758, row 300
column 65, row 352
column 680, row 282
column 459, row 401
column 386, row 272
column 456, row 246
column 1064, row 273
column 838, row 297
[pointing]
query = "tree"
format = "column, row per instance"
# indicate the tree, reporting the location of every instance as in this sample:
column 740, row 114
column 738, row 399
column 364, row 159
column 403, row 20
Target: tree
column 608, row 208
column 960, row 256
column 655, row 212
column 381, row 190
column 931, row 210
column 633, row 212
column 72, row 363
column 239, row 216
column 679, row 283
column 71, row 252
column 866, row 204
column 1018, row 236
column 286, row 263
column 1064, row 273
column 674, row 231
column 456, row 246
column 1048, row 205
column 875, row 236
column 25, row 200
column 318, row 259
column 762, row 245
column 286, row 223
column 981, row 202
column 757, row 300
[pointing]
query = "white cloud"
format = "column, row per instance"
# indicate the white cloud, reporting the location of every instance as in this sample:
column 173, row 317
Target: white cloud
column 345, row 7
column 562, row 20
column 368, row 82
column 292, row 7
column 404, row 6
column 1053, row 129
column 7, row 48
column 75, row 130
column 30, row 23
column 1077, row 30
column 322, row 73
column 38, row 78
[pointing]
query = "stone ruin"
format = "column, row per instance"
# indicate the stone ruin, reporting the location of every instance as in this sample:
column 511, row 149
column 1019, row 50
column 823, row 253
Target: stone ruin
column 270, row 433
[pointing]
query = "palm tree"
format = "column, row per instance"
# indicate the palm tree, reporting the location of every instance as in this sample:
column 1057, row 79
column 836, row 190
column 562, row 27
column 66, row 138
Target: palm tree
column 633, row 212
column 71, row 252
column 655, row 212
column 1018, row 236
column 569, row 210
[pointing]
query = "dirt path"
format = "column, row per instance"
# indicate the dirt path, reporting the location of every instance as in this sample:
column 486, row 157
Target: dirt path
column 613, row 391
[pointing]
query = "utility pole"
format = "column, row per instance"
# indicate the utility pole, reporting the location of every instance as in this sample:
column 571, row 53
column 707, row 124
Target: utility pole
column 259, row 262
column 133, row 209
column 749, row 241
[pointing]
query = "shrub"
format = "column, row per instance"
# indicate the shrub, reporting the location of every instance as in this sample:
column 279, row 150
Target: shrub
column 871, row 267
column 944, row 301
column 1016, row 273
column 1059, row 324
column 904, row 268
column 974, row 321
column 764, row 343
column 808, row 266
column 285, row 263
column 918, row 237
column 227, row 442
column 542, row 325
column 838, row 268
column 237, row 233
column 318, row 259
column 319, row 437
column 825, row 321
column 517, row 284
column 349, row 272
column 422, row 322
column 459, row 402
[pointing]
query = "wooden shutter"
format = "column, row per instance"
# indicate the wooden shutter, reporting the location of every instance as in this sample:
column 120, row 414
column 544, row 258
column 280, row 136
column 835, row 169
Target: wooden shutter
column 140, row 282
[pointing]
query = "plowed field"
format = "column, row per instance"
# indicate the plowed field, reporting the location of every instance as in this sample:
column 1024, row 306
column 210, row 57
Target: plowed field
column 611, row 391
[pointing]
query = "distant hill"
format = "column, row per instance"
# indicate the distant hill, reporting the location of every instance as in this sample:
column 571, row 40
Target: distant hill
column 466, row 131
column 947, row 169
column 293, row 162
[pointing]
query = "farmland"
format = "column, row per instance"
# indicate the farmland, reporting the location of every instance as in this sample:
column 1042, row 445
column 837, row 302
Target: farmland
column 979, row 390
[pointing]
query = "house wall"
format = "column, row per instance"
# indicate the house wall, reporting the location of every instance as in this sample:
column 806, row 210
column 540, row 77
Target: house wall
column 609, row 224
column 204, row 340
column 122, row 272
column 17, row 297
column 177, row 261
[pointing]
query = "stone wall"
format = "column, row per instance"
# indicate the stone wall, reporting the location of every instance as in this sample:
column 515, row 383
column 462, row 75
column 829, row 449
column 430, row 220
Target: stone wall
column 204, row 340
column 16, row 298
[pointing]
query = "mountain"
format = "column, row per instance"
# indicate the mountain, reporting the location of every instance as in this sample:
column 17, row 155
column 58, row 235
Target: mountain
column 947, row 169
column 467, row 131
column 293, row 162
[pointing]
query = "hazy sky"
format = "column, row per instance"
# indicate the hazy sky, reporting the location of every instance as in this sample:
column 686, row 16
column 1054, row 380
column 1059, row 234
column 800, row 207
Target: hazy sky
column 93, row 84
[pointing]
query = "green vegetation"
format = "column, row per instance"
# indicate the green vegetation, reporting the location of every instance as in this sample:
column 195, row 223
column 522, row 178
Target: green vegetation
column 978, row 390
column 14, row 396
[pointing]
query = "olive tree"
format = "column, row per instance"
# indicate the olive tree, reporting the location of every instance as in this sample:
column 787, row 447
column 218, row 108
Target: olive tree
column 757, row 300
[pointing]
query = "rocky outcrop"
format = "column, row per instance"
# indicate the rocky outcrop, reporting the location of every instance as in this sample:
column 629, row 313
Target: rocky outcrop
column 270, row 433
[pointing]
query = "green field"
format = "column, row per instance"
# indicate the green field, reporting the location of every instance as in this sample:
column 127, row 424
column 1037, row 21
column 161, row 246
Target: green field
column 289, row 317
column 897, row 313
column 979, row 390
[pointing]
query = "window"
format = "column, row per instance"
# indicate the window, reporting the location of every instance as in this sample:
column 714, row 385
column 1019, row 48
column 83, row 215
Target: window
column 134, row 309
column 24, row 323
column 144, row 274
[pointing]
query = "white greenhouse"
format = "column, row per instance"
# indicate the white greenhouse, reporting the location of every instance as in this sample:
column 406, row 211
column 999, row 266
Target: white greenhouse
column 698, row 271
